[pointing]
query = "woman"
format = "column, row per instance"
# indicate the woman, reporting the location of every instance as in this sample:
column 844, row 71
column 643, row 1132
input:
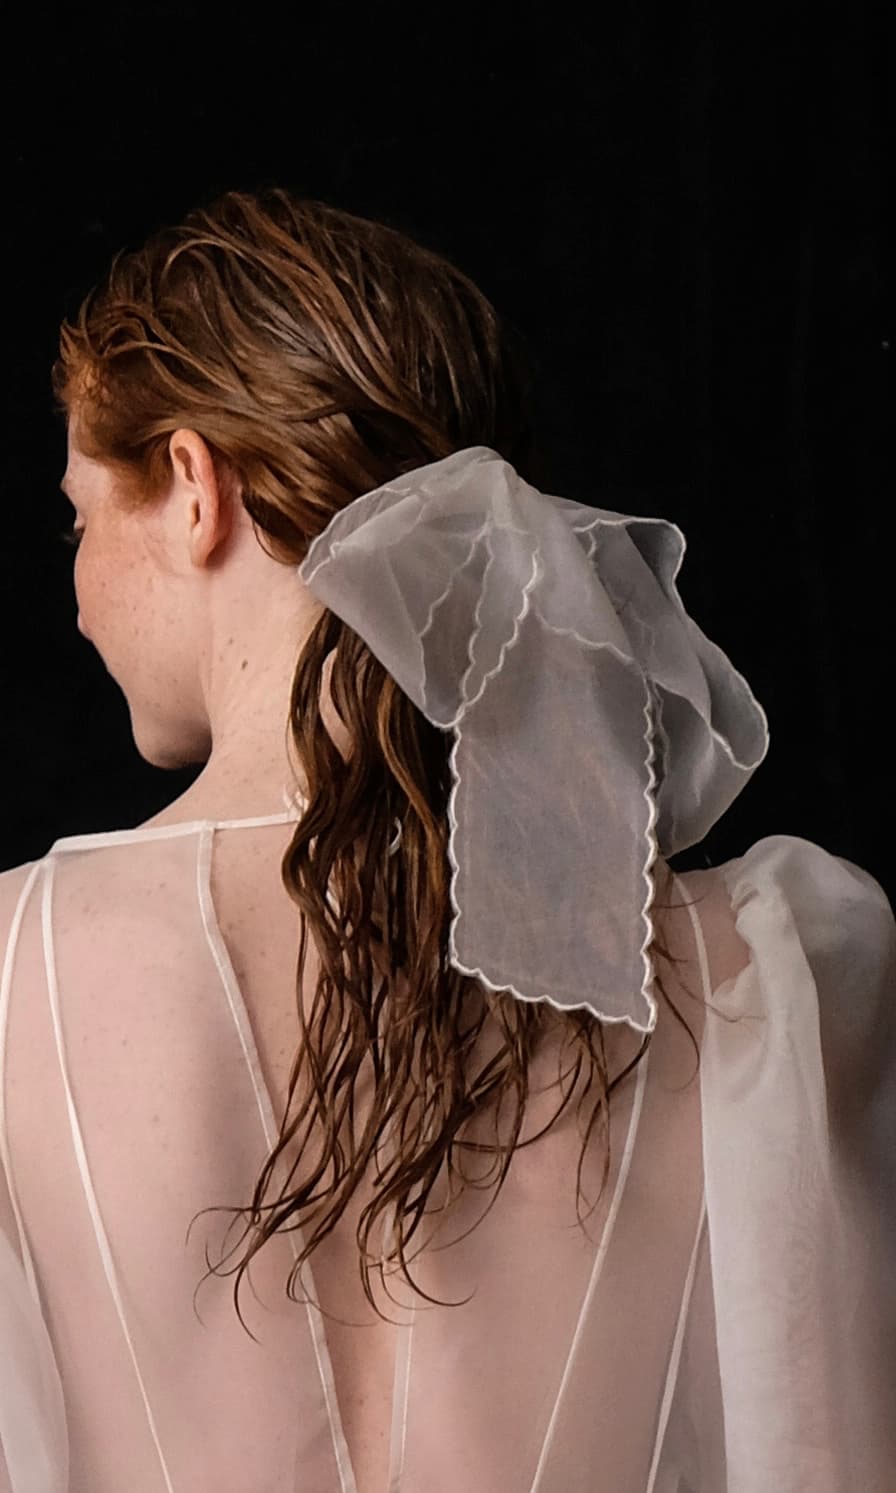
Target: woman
column 214, row 1014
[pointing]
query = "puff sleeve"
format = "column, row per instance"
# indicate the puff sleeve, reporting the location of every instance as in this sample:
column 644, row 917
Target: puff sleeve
column 798, row 1085
column 34, row 1455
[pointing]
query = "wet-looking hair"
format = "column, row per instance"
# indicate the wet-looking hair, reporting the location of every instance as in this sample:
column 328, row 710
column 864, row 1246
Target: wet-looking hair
column 320, row 354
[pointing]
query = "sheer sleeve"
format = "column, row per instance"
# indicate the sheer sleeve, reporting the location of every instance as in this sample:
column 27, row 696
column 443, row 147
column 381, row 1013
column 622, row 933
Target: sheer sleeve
column 33, row 1439
column 33, row 1433
column 799, row 1127
column 853, row 958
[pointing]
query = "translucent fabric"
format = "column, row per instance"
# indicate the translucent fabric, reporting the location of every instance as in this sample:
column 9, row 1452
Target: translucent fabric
column 726, row 1325
column 501, row 611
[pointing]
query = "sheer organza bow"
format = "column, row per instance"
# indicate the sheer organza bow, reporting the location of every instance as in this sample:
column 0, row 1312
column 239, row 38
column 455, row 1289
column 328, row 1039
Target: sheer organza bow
column 595, row 722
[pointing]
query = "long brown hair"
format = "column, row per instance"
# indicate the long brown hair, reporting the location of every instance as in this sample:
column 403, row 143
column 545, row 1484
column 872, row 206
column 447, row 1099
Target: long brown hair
column 320, row 354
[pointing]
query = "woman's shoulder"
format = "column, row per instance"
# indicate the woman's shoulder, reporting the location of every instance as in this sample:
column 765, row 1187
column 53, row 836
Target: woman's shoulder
column 696, row 923
column 788, row 910
column 816, row 924
column 784, row 886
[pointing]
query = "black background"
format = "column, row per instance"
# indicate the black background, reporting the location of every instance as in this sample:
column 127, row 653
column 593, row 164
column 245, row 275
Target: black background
column 684, row 209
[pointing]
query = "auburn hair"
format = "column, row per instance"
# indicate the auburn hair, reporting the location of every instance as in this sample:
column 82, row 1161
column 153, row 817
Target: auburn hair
column 320, row 354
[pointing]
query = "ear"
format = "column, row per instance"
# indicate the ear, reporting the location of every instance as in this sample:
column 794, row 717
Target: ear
column 194, row 464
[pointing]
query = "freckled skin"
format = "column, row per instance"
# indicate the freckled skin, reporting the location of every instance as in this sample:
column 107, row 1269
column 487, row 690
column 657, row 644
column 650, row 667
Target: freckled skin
column 197, row 625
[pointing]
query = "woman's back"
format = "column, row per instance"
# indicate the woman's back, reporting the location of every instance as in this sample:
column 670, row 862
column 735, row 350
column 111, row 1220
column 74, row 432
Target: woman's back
column 159, row 1048
column 159, row 963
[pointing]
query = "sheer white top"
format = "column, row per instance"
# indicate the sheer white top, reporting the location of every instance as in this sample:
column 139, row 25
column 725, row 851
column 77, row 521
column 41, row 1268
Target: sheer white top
column 725, row 1324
